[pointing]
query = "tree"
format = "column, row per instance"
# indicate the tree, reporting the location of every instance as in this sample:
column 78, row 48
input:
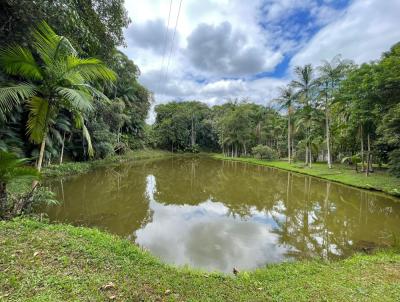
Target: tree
column 305, row 85
column 12, row 168
column 95, row 27
column 331, row 73
column 286, row 99
column 58, row 79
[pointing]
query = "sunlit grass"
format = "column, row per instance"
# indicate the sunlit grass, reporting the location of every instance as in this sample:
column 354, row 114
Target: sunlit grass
column 42, row 262
column 379, row 180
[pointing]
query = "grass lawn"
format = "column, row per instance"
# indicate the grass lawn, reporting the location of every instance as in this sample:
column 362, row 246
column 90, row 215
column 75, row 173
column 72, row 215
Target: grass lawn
column 379, row 180
column 44, row 262
column 74, row 168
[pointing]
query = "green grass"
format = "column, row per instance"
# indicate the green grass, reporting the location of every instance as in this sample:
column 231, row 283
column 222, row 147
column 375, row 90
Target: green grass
column 378, row 181
column 74, row 168
column 44, row 262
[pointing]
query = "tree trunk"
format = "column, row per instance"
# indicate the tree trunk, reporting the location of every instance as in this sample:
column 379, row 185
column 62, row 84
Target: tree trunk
column 193, row 134
column 362, row 148
column 3, row 197
column 293, row 151
column 62, row 149
column 310, row 157
column 41, row 153
column 306, row 155
column 328, row 138
column 289, row 138
column 368, row 156
column 40, row 160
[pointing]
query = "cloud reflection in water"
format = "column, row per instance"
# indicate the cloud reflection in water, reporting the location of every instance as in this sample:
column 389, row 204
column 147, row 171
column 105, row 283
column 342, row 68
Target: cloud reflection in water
column 208, row 236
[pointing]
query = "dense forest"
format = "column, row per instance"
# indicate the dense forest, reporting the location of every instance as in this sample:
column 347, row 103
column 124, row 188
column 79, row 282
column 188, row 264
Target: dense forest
column 65, row 88
column 68, row 92
column 335, row 112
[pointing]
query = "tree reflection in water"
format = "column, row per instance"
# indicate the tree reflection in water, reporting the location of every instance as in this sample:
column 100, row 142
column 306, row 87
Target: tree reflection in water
column 219, row 214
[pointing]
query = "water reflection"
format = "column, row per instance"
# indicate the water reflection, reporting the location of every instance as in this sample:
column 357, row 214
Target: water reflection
column 208, row 235
column 216, row 215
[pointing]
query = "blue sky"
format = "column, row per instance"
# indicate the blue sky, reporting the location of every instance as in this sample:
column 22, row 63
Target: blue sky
column 226, row 49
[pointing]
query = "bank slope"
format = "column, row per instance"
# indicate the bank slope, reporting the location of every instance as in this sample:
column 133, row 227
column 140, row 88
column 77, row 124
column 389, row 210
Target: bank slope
column 43, row 262
column 378, row 181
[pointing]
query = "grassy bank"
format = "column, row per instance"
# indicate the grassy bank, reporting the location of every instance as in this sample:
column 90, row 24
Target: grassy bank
column 379, row 180
column 74, row 168
column 42, row 262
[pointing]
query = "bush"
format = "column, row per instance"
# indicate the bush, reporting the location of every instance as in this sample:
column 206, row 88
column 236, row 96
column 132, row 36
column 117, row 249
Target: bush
column 264, row 152
column 394, row 163
column 193, row 149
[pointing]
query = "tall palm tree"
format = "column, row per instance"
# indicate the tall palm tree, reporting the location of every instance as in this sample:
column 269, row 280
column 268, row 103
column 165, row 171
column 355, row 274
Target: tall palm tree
column 55, row 78
column 331, row 73
column 286, row 99
column 305, row 85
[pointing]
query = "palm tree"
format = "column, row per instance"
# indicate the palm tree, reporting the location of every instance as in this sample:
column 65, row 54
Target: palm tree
column 330, row 75
column 305, row 85
column 286, row 99
column 56, row 78
column 12, row 168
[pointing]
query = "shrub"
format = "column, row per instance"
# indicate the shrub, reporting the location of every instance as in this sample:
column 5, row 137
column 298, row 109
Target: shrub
column 264, row 152
column 394, row 163
column 193, row 149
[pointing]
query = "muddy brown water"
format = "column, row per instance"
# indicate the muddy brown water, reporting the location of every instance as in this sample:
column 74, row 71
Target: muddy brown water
column 216, row 215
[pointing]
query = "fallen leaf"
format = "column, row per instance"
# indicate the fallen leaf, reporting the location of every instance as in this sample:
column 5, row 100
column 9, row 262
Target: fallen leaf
column 35, row 254
column 167, row 292
column 109, row 285
column 112, row 297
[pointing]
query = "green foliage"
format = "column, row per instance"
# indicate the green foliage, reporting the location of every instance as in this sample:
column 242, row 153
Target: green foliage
column 61, row 81
column 95, row 27
column 264, row 152
column 394, row 162
column 183, row 126
column 12, row 168
column 137, row 275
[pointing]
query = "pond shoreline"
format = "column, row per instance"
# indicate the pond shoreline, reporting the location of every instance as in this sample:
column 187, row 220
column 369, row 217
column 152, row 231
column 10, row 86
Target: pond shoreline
column 76, row 168
column 385, row 184
column 78, row 263
column 46, row 261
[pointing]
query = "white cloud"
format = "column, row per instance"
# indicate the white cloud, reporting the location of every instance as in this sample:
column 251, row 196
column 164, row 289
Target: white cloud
column 368, row 28
column 221, row 45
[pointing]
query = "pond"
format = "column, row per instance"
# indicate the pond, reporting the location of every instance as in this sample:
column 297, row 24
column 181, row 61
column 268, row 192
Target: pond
column 216, row 215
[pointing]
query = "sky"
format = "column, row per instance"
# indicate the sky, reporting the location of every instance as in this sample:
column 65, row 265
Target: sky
column 227, row 49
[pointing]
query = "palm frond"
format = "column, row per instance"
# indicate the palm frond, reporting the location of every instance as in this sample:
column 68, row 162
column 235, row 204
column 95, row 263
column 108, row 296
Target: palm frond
column 77, row 99
column 86, row 135
column 46, row 42
column 95, row 92
column 56, row 135
column 90, row 69
column 19, row 61
column 38, row 118
column 11, row 96
column 80, row 124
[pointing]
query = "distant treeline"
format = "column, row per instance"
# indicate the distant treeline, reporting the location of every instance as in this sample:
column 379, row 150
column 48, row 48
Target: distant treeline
column 335, row 112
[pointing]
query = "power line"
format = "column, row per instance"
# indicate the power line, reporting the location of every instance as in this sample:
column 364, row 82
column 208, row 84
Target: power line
column 173, row 39
column 166, row 35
